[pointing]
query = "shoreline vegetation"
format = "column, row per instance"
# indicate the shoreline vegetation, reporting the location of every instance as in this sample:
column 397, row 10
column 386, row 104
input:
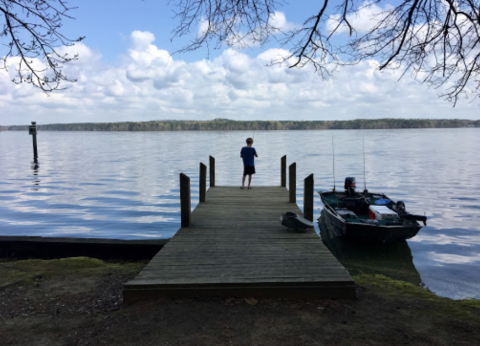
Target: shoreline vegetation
column 234, row 125
column 78, row 301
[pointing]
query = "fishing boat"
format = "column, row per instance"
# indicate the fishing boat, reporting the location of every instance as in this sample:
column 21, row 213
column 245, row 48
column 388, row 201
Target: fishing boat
column 368, row 217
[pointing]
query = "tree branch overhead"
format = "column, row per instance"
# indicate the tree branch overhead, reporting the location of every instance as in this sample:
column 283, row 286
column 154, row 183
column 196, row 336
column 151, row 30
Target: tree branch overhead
column 437, row 41
column 32, row 32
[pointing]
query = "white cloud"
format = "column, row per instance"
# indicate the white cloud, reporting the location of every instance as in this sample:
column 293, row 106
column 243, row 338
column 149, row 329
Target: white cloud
column 278, row 20
column 141, row 40
column 277, row 24
column 364, row 20
column 202, row 27
column 149, row 84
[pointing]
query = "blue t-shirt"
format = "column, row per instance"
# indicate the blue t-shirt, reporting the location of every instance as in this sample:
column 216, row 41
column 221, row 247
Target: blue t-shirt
column 248, row 155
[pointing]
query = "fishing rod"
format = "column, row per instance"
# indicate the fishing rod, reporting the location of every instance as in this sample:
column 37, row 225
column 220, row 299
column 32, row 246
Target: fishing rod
column 333, row 158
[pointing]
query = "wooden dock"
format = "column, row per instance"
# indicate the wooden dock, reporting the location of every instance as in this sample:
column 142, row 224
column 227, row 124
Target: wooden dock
column 234, row 245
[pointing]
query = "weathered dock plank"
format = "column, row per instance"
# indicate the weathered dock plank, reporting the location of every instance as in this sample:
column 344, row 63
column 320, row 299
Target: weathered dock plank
column 236, row 246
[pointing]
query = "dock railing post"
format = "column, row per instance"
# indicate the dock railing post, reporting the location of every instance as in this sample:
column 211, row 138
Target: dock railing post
column 292, row 186
column 283, row 169
column 308, row 198
column 212, row 171
column 203, row 182
column 185, row 203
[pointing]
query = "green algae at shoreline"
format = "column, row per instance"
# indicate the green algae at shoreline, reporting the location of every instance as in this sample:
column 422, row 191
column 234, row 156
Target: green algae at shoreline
column 391, row 289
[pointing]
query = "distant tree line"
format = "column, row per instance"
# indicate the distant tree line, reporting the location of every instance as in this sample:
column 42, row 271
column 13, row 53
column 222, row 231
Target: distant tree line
column 232, row 125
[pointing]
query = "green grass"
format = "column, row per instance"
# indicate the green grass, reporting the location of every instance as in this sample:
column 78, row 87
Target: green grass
column 26, row 271
column 391, row 289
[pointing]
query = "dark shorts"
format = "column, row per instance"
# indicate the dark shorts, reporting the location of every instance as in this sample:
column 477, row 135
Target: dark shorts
column 247, row 170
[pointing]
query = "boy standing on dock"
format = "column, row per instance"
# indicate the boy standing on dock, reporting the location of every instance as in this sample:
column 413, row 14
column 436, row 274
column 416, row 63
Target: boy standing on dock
column 248, row 154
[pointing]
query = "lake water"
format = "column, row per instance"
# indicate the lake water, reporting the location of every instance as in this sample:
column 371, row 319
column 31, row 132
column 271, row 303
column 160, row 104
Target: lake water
column 124, row 185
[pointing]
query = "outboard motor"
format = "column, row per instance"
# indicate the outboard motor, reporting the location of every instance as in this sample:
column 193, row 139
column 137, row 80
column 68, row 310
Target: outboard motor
column 350, row 186
column 400, row 207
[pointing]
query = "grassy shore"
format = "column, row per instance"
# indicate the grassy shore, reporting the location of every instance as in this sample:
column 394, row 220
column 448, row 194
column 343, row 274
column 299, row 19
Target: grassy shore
column 77, row 301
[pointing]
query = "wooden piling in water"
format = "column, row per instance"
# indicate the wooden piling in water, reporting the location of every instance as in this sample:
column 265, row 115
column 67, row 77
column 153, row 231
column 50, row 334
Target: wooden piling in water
column 292, row 186
column 212, row 171
column 308, row 198
column 283, row 169
column 203, row 182
column 32, row 130
column 185, row 203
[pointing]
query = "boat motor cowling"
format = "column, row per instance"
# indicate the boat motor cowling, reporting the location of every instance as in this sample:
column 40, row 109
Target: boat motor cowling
column 401, row 207
column 350, row 186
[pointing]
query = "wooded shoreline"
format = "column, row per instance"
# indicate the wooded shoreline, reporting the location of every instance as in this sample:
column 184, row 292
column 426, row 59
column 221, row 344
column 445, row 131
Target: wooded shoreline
column 233, row 125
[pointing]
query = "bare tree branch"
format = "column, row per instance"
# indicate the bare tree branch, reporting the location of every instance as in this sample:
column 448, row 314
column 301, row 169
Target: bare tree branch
column 437, row 41
column 32, row 31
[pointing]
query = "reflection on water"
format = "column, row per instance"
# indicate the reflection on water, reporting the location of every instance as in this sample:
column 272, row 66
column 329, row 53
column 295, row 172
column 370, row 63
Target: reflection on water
column 392, row 260
column 35, row 180
column 125, row 185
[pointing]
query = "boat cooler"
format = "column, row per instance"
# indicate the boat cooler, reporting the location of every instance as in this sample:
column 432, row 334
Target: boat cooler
column 380, row 212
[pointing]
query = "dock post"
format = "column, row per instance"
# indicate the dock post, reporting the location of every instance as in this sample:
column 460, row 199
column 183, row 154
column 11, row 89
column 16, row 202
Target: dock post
column 32, row 130
column 185, row 203
column 292, row 186
column 283, row 169
column 308, row 198
column 203, row 182
column 212, row 171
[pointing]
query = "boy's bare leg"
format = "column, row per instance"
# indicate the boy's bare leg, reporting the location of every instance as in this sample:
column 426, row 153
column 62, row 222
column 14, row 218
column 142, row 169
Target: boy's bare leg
column 249, row 180
column 243, row 182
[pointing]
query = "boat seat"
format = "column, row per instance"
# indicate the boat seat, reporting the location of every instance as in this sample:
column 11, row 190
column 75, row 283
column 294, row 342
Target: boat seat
column 356, row 204
column 346, row 213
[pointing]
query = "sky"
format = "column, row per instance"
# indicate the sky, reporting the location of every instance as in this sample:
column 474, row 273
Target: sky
column 128, row 71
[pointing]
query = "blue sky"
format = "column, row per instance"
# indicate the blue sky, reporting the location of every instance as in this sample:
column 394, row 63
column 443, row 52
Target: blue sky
column 108, row 24
column 126, row 72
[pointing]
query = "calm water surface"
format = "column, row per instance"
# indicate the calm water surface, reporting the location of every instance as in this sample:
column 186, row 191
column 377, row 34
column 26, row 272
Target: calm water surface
column 125, row 185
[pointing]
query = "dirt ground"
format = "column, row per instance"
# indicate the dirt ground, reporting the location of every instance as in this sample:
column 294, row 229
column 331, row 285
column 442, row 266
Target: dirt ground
column 77, row 301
